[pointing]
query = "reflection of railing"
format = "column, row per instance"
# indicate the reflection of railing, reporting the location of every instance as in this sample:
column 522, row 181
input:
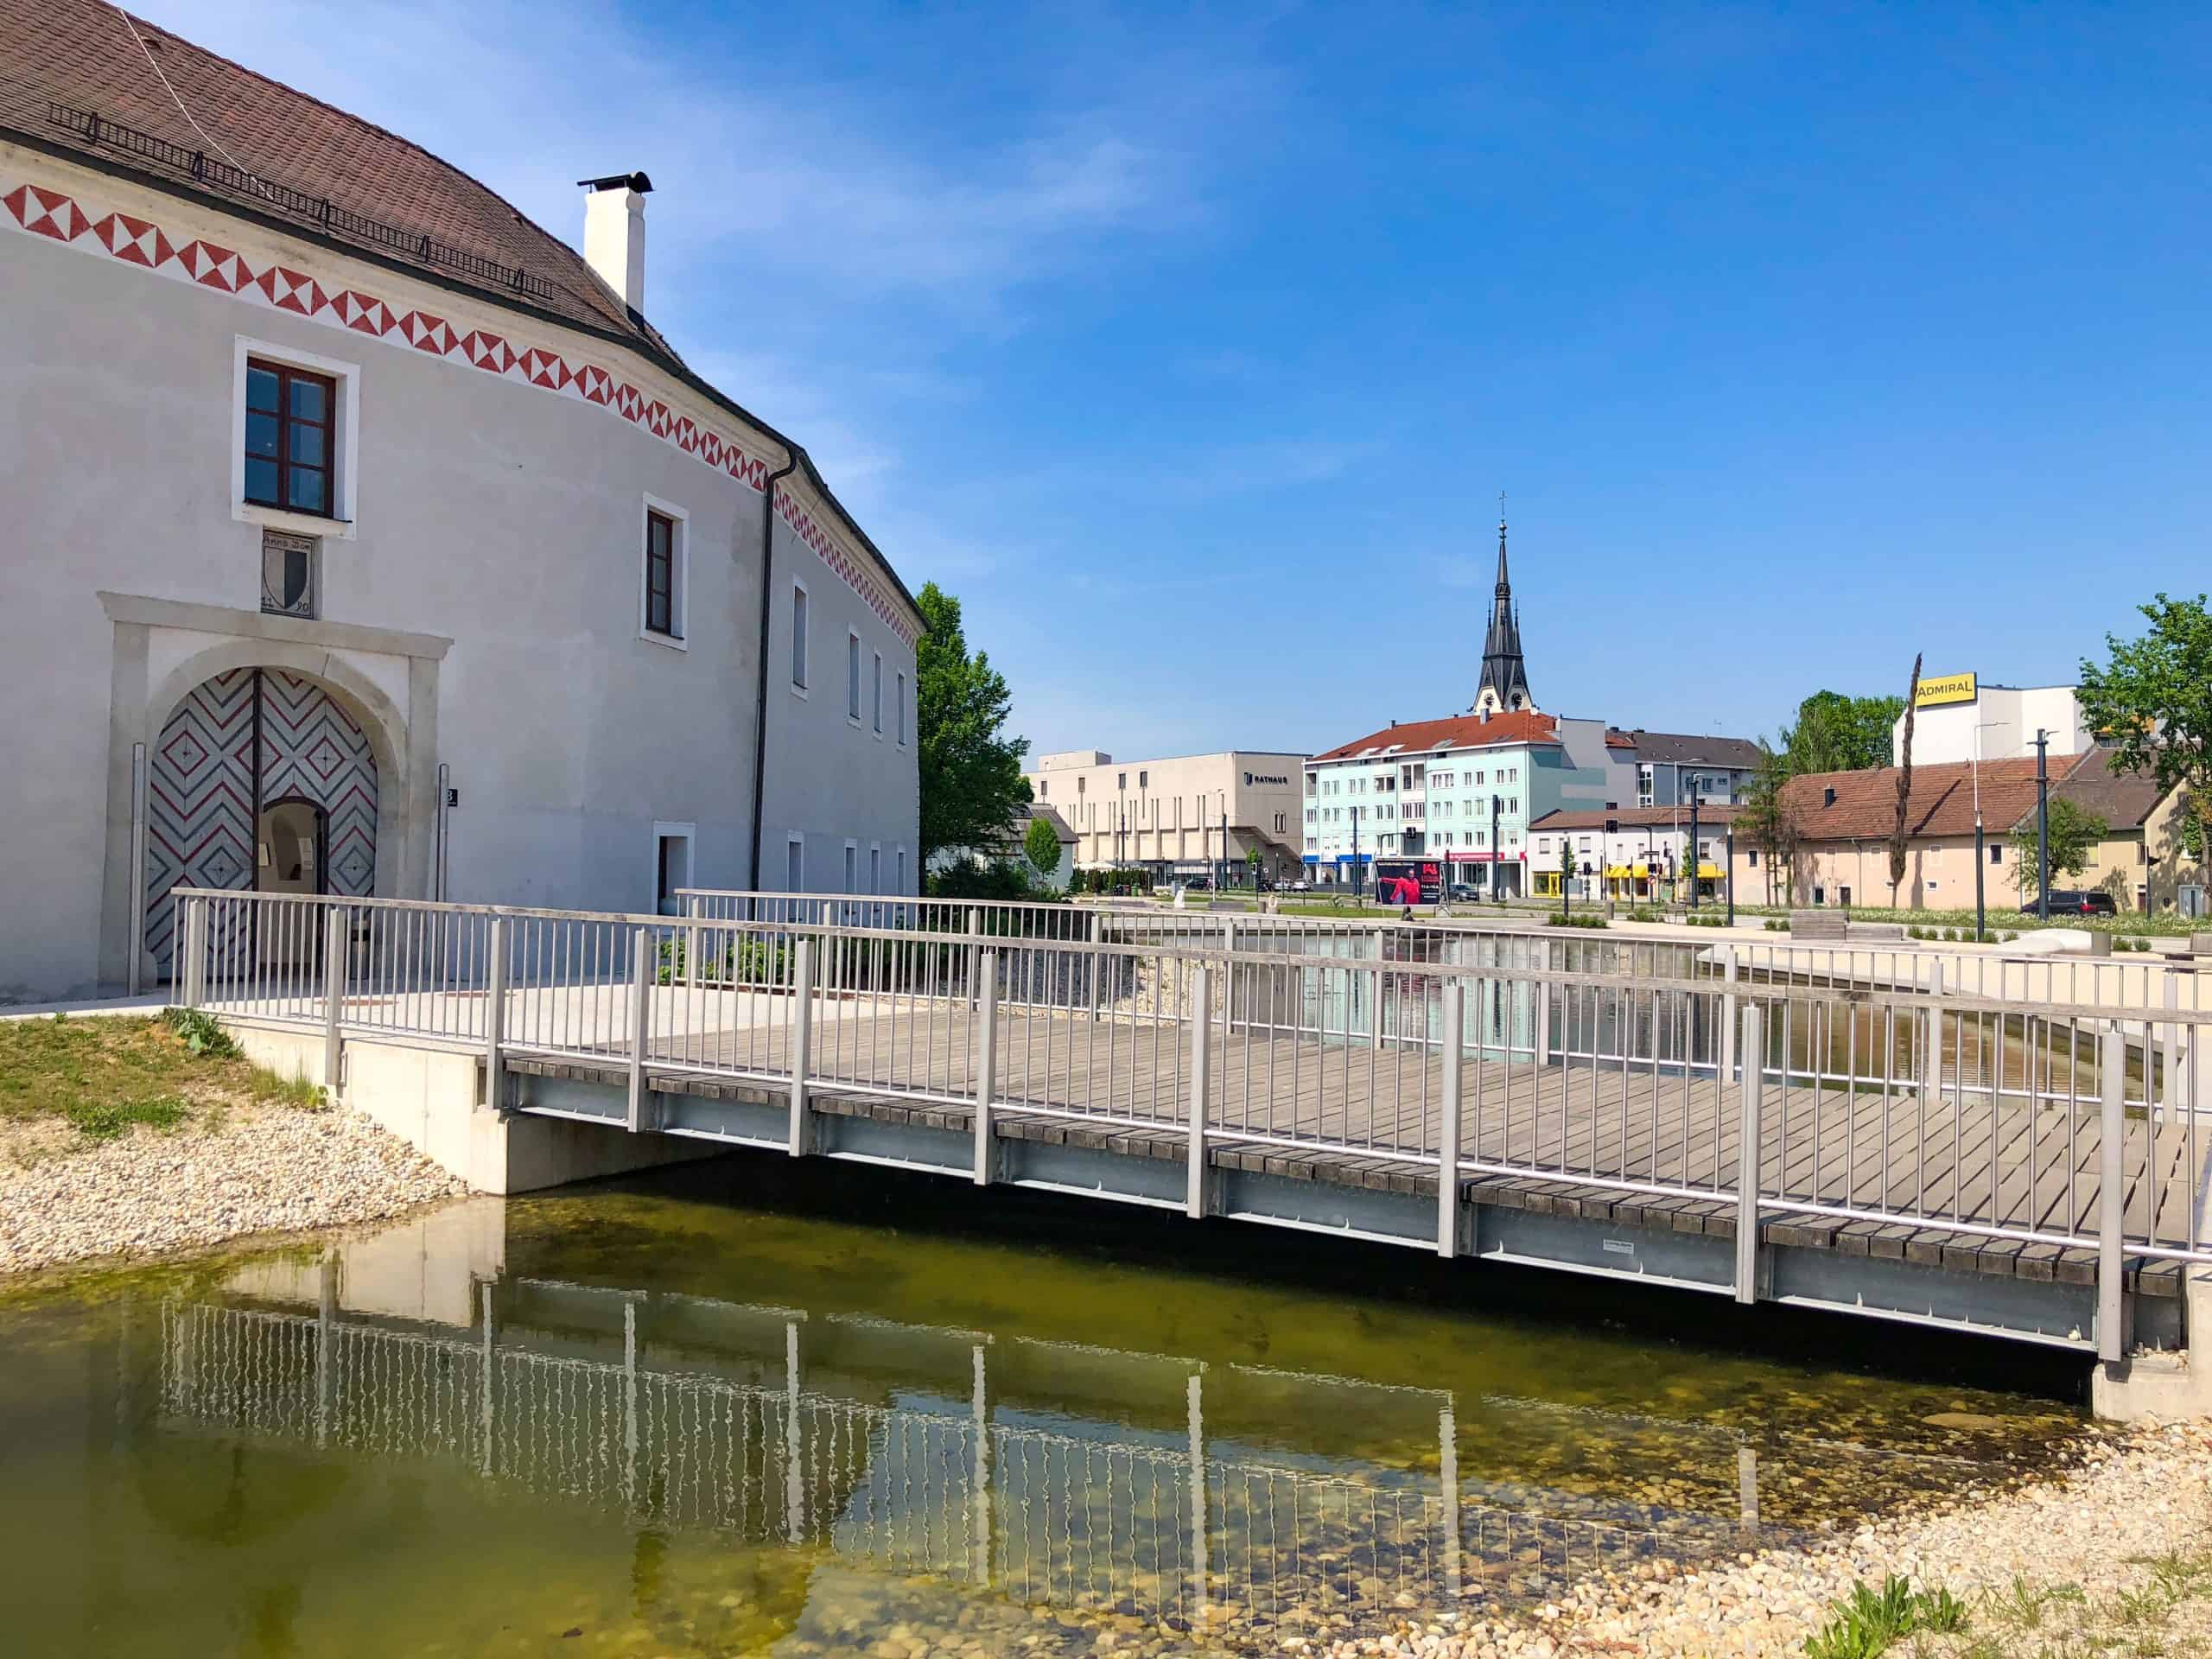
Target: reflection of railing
column 1041, row 1514
column 1987, row 1115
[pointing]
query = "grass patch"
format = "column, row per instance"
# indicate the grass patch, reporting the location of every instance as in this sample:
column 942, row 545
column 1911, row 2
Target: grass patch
column 107, row 1074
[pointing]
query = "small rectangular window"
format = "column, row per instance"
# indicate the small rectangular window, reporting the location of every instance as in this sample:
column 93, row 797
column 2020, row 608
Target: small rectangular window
column 671, row 869
column 900, row 867
column 1996, row 853
column 290, row 421
column 877, row 694
column 663, row 613
column 795, row 865
column 852, row 678
column 798, row 636
column 902, row 711
column 852, row 860
column 875, row 870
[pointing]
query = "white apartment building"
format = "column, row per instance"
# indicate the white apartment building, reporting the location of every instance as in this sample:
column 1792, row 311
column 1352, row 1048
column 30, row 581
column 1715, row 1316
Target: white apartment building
column 366, row 539
column 1963, row 717
column 1632, row 853
column 1181, row 815
column 1463, row 790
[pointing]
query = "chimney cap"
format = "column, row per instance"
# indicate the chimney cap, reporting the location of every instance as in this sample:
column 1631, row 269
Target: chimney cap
column 637, row 182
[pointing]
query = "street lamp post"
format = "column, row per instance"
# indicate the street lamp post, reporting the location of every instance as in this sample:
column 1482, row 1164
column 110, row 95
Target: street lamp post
column 1732, row 874
column 1221, row 868
column 2042, row 825
column 1354, row 855
column 1692, row 859
column 1497, row 892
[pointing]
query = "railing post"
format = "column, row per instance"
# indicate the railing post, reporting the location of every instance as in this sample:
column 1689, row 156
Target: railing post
column 974, row 951
column 1228, row 975
column 1542, row 990
column 1194, row 1197
column 986, row 1067
column 1450, row 1016
column 1097, row 959
column 1750, row 1092
column 2111, row 1200
column 1730, row 1014
column 1375, row 1008
column 692, row 940
column 192, row 964
column 495, row 1008
column 801, row 1040
column 335, row 928
column 641, row 1011
column 1931, row 1041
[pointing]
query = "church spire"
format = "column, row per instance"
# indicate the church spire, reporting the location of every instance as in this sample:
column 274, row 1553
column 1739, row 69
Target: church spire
column 1504, row 684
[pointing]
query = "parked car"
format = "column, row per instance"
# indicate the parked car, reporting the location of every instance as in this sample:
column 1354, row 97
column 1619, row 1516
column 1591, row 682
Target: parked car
column 1462, row 893
column 2075, row 901
column 1301, row 886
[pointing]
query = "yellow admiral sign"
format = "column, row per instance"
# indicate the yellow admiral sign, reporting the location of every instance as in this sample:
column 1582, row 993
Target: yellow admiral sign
column 1938, row 690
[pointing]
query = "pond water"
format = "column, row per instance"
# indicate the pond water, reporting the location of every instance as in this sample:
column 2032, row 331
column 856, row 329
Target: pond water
column 705, row 1413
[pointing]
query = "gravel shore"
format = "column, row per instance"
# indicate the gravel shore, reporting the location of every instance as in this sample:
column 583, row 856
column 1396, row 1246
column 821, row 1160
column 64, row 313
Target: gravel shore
column 2097, row 1535
column 255, row 1170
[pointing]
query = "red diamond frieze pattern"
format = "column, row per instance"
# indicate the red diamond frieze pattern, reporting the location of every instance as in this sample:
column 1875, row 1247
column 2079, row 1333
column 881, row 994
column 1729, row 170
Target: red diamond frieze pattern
column 140, row 242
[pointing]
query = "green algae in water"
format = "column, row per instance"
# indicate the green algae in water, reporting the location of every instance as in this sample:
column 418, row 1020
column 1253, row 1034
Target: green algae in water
column 660, row 1418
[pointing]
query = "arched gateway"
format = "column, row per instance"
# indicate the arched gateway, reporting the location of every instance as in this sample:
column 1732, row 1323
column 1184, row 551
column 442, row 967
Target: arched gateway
column 261, row 780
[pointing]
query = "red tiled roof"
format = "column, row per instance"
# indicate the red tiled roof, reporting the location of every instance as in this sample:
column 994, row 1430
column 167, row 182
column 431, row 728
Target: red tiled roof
column 2122, row 799
column 79, row 53
column 1943, row 801
column 1418, row 737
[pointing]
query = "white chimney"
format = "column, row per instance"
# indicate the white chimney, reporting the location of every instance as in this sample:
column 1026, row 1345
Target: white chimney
column 614, row 233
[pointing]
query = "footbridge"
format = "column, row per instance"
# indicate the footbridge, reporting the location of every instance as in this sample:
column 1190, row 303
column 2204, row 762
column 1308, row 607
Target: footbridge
column 1998, row 1144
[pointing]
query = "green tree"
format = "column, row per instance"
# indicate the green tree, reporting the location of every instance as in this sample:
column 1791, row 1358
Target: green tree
column 1565, row 868
column 2153, row 701
column 2074, row 833
column 1041, row 846
column 1767, row 823
column 971, row 784
column 1834, row 732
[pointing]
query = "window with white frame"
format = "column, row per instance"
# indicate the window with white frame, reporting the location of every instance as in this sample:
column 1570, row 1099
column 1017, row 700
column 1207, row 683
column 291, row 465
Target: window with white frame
column 876, row 867
column 875, row 694
column 795, row 863
column 852, row 867
column 800, row 605
column 901, row 711
column 852, row 679
column 294, row 416
column 664, row 580
column 900, row 865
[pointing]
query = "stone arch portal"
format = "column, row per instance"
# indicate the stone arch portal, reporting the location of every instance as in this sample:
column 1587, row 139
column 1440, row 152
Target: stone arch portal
column 247, row 737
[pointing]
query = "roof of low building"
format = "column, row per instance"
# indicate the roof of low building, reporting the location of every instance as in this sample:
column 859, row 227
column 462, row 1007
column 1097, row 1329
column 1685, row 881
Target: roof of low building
column 1416, row 738
column 2122, row 799
column 1864, row 804
column 1687, row 748
column 1639, row 817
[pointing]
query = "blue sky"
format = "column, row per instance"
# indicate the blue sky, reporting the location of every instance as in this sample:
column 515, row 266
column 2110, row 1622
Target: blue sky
column 1191, row 348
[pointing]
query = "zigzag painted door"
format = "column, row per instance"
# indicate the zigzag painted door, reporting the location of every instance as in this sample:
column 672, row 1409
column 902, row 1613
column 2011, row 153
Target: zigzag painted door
column 203, row 780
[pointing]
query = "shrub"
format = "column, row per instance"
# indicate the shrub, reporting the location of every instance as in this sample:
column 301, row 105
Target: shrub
column 1577, row 919
column 1776, row 924
column 202, row 1033
column 1869, row 1621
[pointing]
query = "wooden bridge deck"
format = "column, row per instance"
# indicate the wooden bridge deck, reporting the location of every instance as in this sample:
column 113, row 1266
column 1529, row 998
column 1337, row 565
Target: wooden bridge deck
column 1359, row 1113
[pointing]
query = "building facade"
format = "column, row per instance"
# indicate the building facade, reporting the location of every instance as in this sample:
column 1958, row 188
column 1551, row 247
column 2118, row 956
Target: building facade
column 1463, row 790
column 1633, row 853
column 367, row 539
column 1181, row 815
column 1667, row 768
column 1959, row 717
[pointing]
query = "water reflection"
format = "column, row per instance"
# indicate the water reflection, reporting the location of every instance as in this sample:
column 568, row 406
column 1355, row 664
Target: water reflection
column 685, row 1426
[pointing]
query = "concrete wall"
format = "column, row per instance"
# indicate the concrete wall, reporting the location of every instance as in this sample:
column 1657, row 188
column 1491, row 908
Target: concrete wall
column 485, row 596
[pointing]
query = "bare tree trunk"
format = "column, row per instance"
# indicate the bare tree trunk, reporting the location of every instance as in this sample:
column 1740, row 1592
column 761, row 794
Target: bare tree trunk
column 1904, row 788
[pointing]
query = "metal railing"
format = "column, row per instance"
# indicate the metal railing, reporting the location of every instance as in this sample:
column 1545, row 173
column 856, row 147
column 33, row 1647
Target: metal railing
column 1987, row 1115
